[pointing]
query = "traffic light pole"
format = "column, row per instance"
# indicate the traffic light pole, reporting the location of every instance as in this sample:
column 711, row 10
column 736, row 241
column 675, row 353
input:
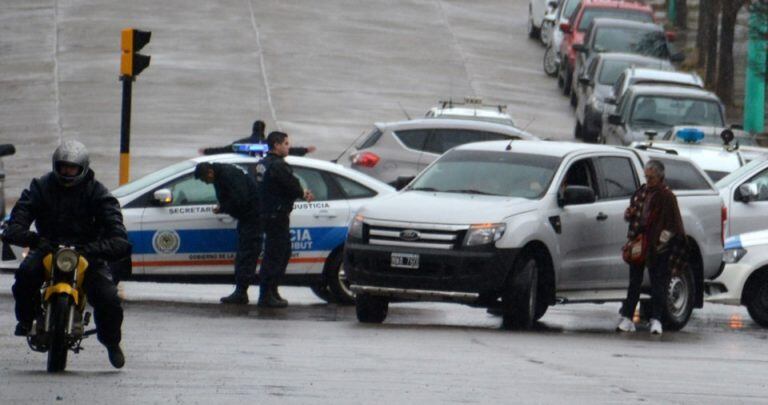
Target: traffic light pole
column 125, row 131
column 754, row 95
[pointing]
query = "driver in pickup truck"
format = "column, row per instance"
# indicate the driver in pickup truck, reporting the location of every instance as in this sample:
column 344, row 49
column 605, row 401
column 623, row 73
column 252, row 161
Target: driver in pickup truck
column 653, row 211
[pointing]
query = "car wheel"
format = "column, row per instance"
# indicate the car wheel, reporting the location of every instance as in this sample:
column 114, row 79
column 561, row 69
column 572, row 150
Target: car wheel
column 336, row 280
column 757, row 301
column 520, row 297
column 545, row 33
column 679, row 300
column 370, row 308
column 322, row 292
column 550, row 62
column 533, row 32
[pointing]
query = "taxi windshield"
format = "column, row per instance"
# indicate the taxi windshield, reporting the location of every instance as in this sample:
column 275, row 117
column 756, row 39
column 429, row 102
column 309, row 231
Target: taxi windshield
column 505, row 174
column 152, row 178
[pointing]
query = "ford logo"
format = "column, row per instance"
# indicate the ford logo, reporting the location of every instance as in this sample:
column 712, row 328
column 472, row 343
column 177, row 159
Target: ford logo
column 409, row 235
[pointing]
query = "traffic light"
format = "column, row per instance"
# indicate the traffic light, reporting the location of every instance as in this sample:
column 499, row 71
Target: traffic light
column 131, row 62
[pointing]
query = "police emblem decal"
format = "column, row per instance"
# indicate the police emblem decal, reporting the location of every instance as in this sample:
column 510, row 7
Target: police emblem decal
column 166, row 241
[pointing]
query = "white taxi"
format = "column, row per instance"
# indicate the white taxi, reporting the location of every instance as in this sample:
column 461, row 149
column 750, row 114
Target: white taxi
column 174, row 232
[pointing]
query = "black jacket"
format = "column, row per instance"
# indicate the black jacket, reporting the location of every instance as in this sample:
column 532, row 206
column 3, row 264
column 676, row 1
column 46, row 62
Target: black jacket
column 85, row 215
column 278, row 187
column 235, row 190
column 295, row 151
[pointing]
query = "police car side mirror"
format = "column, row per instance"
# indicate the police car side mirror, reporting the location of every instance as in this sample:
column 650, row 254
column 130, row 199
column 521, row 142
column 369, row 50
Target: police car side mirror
column 163, row 196
column 576, row 195
column 748, row 192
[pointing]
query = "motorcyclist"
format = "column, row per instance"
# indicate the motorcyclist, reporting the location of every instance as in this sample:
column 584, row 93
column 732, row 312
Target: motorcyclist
column 70, row 207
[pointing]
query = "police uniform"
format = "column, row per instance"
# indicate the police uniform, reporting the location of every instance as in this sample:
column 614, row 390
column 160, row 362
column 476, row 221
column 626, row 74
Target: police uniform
column 278, row 189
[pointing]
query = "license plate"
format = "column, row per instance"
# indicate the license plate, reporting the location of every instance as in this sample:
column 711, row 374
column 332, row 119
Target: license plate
column 405, row 260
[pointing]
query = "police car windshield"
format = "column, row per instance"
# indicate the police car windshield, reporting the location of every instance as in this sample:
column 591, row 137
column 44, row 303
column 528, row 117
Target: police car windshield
column 152, row 178
column 736, row 174
column 505, row 174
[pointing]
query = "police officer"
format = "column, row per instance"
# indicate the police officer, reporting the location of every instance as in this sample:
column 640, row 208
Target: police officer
column 238, row 197
column 257, row 136
column 278, row 189
column 70, row 207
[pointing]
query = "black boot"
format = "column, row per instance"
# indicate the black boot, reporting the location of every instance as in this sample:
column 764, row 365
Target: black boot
column 277, row 296
column 22, row 329
column 268, row 299
column 116, row 357
column 239, row 296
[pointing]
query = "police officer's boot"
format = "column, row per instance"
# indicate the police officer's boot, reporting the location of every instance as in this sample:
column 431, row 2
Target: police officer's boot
column 277, row 296
column 239, row 296
column 267, row 297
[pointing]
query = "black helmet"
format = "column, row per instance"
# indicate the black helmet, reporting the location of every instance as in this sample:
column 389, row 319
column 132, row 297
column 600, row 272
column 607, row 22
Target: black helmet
column 71, row 152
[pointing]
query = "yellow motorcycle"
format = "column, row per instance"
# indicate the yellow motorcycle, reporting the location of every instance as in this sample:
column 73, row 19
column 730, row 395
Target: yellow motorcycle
column 60, row 327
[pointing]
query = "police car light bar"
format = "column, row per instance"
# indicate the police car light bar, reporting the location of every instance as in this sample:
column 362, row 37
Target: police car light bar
column 251, row 149
column 690, row 135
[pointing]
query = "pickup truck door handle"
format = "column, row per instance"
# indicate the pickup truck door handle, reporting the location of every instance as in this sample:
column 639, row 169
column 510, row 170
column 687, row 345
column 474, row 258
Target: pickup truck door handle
column 602, row 217
column 325, row 214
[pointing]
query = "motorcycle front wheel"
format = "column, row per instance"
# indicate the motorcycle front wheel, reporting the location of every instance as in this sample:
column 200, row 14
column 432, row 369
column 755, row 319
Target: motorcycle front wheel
column 57, row 354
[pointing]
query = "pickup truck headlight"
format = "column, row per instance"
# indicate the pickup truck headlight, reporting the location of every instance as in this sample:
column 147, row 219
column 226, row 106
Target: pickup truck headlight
column 356, row 227
column 483, row 234
column 733, row 255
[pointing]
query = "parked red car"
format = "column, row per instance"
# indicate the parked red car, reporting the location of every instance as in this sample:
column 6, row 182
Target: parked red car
column 575, row 28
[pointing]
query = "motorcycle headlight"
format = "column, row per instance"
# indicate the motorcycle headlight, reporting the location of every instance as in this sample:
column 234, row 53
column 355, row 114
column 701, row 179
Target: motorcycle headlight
column 483, row 234
column 66, row 261
column 356, row 227
column 733, row 255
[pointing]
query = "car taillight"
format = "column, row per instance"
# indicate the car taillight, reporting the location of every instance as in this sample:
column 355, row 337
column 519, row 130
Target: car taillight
column 723, row 219
column 366, row 159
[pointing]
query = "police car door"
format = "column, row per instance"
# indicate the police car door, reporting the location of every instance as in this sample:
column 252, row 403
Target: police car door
column 749, row 216
column 319, row 227
column 184, row 236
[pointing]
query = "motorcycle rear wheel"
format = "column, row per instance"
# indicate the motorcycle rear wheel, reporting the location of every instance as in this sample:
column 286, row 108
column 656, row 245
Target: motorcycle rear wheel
column 57, row 354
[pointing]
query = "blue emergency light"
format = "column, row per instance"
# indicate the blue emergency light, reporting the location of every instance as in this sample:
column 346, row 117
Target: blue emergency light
column 690, row 135
column 251, row 149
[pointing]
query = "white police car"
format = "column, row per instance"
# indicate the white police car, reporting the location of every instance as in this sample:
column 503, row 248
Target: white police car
column 169, row 218
column 744, row 280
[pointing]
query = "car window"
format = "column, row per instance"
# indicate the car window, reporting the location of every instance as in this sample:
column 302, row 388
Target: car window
column 353, row 189
column 413, row 138
column 592, row 68
column 641, row 41
column 314, row 181
column 761, row 180
column 187, row 190
column 444, row 139
column 618, row 177
column 669, row 111
column 152, row 178
column 611, row 72
column 370, row 139
column 570, row 7
column 681, row 175
column 622, row 14
column 581, row 173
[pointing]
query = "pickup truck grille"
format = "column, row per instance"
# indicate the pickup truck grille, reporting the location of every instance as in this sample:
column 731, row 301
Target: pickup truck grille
column 446, row 237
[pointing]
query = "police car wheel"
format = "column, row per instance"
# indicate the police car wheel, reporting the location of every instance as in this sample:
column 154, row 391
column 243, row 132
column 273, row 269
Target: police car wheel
column 520, row 298
column 757, row 299
column 337, row 281
column 322, row 292
column 370, row 308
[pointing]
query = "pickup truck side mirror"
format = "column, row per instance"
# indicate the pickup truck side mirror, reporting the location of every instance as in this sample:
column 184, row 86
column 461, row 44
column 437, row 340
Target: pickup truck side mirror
column 402, row 181
column 565, row 27
column 747, row 192
column 615, row 119
column 162, row 196
column 575, row 195
column 579, row 48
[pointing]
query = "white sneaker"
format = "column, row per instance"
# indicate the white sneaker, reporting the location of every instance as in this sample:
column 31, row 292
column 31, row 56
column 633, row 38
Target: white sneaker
column 625, row 325
column 655, row 327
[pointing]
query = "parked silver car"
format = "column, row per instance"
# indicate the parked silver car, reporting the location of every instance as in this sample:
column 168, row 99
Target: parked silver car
column 403, row 149
column 650, row 108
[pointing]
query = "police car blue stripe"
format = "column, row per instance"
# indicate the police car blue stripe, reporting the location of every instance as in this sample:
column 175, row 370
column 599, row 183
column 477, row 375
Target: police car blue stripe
column 225, row 240
column 734, row 242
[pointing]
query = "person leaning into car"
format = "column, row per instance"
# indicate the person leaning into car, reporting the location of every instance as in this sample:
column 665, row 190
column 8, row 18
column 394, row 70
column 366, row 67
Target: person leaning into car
column 654, row 213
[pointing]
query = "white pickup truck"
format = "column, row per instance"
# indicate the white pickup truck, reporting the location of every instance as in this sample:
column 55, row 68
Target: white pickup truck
column 520, row 226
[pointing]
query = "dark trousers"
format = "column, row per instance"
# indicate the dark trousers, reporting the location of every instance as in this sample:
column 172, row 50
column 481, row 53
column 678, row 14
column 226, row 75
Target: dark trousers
column 249, row 240
column 277, row 248
column 99, row 287
column 658, row 271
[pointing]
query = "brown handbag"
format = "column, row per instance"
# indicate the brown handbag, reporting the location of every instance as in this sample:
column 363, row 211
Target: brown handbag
column 634, row 251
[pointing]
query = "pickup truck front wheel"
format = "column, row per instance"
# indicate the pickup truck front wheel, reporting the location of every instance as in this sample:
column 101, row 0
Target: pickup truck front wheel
column 519, row 300
column 370, row 308
column 680, row 293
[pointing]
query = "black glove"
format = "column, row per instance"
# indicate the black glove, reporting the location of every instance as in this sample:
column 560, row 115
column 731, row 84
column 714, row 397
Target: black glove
column 45, row 246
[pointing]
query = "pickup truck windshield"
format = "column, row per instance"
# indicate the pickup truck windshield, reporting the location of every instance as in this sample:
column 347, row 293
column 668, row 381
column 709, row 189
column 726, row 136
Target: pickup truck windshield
column 506, row 174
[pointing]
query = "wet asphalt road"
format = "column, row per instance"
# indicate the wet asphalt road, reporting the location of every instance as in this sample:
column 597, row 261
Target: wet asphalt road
column 182, row 347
